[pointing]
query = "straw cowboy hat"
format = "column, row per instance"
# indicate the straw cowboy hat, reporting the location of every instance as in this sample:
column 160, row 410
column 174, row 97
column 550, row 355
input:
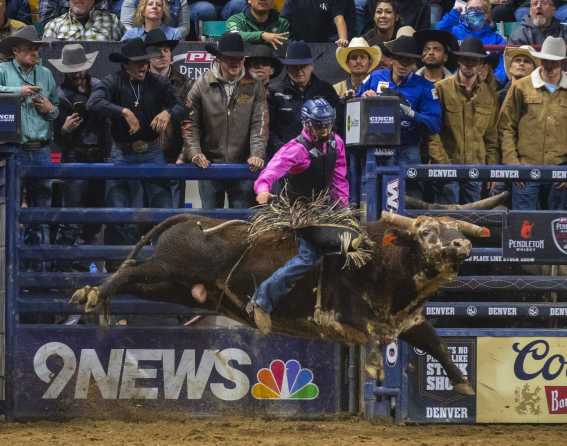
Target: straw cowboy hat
column 553, row 48
column 511, row 52
column 74, row 59
column 358, row 44
column 132, row 50
column 27, row 34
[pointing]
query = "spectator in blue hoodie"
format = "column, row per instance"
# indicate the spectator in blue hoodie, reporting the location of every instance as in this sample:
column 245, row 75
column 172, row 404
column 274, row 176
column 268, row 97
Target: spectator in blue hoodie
column 474, row 19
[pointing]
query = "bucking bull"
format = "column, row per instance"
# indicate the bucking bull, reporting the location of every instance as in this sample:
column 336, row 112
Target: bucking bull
column 209, row 263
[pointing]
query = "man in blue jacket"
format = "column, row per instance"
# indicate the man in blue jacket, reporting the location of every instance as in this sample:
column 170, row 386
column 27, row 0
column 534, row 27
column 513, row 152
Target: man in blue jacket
column 420, row 107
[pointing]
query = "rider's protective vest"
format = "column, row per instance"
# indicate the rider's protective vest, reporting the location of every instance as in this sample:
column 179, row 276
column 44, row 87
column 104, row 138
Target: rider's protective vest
column 318, row 176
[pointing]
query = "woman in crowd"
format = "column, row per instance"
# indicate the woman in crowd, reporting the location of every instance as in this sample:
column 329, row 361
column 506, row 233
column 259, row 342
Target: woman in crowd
column 387, row 21
column 474, row 19
column 153, row 14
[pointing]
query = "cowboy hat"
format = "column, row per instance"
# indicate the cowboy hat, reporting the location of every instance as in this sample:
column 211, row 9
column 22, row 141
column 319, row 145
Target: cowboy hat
column 403, row 46
column 264, row 52
column 553, row 48
column 27, row 34
column 156, row 37
column 358, row 44
column 511, row 52
column 74, row 59
column 230, row 45
column 132, row 50
column 297, row 53
column 445, row 38
column 471, row 47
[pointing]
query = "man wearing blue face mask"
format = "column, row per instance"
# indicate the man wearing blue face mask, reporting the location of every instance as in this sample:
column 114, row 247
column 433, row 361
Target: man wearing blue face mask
column 474, row 19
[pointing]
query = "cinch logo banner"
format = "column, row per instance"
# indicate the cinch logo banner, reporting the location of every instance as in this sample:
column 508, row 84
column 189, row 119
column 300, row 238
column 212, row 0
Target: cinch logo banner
column 526, row 383
column 285, row 381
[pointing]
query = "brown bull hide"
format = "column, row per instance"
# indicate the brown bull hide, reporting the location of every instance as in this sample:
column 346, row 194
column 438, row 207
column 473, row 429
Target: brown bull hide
column 381, row 301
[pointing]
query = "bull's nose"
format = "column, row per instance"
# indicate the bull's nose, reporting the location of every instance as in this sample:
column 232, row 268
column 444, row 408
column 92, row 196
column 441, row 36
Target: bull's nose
column 462, row 245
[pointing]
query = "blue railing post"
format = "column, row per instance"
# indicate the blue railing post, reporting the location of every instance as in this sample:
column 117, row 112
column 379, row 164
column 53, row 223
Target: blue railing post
column 8, row 239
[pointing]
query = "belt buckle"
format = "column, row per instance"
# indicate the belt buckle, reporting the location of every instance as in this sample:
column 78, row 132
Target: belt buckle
column 139, row 146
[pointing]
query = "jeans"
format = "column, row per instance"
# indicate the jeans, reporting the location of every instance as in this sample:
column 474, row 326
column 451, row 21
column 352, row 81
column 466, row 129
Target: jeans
column 135, row 193
column 436, row 13
column 212, row 193
column 535, row 196
column 274, row 288
column 360, row 17
column 37, row 192
column 560, row 13
column 203, row 10
column 457, row 192
column 405, row 155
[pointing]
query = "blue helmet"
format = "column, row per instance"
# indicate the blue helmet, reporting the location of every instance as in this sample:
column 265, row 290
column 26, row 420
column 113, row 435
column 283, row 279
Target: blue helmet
column 318, row 110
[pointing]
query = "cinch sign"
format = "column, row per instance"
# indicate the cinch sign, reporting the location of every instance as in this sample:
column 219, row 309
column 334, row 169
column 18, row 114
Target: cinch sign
column 527, row 382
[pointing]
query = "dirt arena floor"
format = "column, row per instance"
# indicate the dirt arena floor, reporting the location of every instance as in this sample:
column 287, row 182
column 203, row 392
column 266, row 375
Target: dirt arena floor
column 183, row 430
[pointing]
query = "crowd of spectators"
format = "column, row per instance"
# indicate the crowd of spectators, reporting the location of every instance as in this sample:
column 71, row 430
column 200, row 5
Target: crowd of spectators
column 460, row 104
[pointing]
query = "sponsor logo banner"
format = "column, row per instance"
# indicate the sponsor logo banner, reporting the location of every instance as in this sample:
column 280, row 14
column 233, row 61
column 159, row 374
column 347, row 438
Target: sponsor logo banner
column 527, row 382
column 530, row 236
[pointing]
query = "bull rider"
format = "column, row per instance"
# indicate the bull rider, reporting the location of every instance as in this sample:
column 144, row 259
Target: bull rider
column 312, row 162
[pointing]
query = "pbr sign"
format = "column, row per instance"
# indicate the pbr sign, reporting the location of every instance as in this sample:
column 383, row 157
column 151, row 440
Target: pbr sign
column 194, row 63
column 432, row 398
column 529, row 383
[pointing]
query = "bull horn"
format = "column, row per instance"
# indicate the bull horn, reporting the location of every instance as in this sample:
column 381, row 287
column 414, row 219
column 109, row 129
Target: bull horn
column 398, row 220
column 486, row 203
column 473, row 230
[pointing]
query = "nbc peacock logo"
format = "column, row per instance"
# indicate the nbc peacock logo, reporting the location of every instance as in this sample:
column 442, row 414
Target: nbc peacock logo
column 285, row 381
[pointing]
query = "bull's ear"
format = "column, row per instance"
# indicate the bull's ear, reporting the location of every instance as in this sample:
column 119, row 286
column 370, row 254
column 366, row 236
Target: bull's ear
column 394, row 236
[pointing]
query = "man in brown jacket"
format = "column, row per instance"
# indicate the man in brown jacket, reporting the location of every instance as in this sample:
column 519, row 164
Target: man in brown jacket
column 229, row 123
column 532, row 125
column 468, row 134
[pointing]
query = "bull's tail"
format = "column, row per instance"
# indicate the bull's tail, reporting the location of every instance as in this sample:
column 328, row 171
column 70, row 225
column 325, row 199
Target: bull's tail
column 154, row 232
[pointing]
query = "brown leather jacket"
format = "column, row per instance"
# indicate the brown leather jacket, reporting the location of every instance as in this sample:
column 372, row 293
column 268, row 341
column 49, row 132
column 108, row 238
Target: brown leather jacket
column 227, row 129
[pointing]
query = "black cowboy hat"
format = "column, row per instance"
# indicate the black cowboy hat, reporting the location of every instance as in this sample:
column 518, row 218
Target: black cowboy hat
column 445, row 38
column 471, row 47
column 230, row 44
column 132, row 50
column 156, row 37
column 264, row 52
column 403, row 46
column 27, row 34
column 297, row 53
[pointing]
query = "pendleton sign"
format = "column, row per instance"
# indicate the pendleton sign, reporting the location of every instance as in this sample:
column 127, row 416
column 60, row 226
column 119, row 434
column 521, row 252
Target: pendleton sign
column 535, row 236
column 521, row 380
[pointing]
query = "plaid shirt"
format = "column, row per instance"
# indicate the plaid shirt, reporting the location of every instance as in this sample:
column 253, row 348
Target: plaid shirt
column 102, row 25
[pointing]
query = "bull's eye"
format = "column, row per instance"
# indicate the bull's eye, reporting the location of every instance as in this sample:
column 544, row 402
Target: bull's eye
column 426, row 233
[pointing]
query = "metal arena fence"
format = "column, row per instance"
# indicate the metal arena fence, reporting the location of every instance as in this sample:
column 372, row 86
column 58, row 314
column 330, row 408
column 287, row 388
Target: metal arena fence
column 57, row 371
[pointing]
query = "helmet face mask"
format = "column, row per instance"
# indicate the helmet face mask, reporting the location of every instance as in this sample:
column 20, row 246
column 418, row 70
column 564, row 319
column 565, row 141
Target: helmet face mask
column 318, row 118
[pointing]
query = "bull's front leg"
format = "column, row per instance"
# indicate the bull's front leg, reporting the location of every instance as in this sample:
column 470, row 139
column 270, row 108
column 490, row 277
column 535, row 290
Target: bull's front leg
column 424, row 337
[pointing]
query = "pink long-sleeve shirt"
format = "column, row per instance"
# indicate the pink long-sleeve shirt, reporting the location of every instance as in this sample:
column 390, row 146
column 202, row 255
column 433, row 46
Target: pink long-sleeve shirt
column 293, row 158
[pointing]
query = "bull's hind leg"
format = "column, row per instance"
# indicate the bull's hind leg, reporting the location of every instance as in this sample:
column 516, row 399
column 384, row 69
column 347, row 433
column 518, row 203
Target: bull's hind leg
column 126, row 280
column 424, row 337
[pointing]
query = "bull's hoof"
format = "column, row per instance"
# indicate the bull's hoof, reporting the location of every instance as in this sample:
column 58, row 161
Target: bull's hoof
column 464, row 389
column 88, row 295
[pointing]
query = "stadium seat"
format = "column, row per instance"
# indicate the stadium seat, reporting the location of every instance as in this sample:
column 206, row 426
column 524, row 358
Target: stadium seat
column 211, row 29
column 507, row 28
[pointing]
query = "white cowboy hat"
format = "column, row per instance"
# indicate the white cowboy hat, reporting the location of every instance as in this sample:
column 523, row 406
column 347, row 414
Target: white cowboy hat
column 511, row 52
column 359, row 44
column 553, row 48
